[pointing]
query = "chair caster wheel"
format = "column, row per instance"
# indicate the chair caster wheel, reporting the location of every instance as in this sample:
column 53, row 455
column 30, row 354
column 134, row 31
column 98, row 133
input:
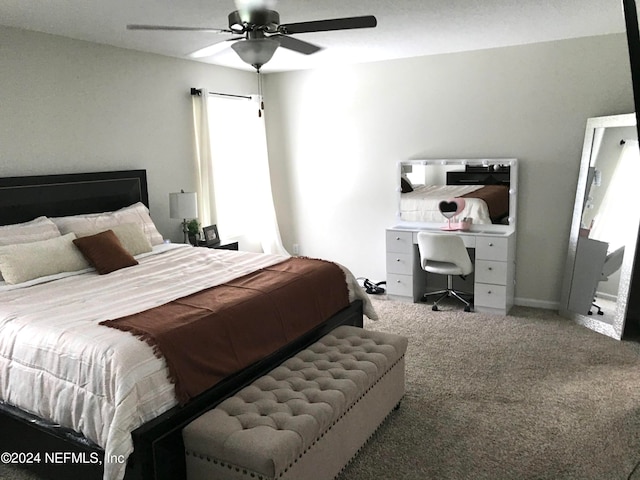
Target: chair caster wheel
column 600, row 312
column 434, row 308
column 467, row 309
column 590, row 313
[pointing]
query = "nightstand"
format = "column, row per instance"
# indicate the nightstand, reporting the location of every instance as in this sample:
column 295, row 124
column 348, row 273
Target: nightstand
column 223, row 246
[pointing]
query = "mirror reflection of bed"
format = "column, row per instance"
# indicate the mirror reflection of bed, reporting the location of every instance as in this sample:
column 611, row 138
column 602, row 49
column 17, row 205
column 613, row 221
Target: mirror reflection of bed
column 484, row 186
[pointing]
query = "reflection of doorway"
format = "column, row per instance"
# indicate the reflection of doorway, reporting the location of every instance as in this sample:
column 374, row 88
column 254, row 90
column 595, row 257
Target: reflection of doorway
column 610, row 221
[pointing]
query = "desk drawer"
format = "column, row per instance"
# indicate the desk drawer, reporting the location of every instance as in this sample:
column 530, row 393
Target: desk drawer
column 400, row 285
column 398, row 241
column 493, row 296
column 399, row 263
column 492, row 248
column 488, row 271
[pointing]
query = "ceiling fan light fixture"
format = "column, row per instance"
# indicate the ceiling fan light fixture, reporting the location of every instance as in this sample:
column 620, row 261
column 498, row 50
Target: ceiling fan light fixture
column 256, row 52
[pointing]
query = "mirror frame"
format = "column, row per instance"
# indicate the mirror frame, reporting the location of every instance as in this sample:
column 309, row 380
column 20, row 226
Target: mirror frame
column 493, row 227
column 615, row 329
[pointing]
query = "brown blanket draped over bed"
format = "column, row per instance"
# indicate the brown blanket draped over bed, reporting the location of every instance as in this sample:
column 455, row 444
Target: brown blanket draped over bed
column 213, row 333
column 496, row 197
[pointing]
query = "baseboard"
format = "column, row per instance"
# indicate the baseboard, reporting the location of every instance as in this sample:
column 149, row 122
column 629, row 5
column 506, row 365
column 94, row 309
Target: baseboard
column 532, row 302
column 606, row 296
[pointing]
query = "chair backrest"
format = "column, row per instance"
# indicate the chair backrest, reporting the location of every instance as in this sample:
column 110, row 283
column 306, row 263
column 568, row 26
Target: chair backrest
column 444, row 247
column 612, row 263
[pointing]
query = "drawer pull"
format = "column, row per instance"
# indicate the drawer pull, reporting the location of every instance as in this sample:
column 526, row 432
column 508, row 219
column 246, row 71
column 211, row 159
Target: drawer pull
column 398, row 281
column 398, row 238
column 490, row 268
column 491, row 244
column 397, row 259
column 488, row 292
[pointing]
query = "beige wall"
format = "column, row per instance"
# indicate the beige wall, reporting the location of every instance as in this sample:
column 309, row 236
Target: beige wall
column 336, row 135
column 71, row 106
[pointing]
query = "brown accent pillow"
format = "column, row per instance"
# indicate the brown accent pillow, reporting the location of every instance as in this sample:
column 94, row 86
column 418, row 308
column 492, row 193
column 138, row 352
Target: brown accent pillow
column 105, row 252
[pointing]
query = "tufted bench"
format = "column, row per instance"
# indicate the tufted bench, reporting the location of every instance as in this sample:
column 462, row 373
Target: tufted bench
column 305, row 419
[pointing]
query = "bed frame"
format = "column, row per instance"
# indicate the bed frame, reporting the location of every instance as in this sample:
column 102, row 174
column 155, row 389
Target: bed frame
column 158, row 448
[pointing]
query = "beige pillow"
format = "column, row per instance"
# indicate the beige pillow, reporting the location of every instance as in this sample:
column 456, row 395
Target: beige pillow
column 130, row 235
column 137, row 213
column 27, row 261
column 40, row 228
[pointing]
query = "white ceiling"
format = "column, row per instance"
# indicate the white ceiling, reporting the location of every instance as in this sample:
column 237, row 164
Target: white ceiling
column 406, row 28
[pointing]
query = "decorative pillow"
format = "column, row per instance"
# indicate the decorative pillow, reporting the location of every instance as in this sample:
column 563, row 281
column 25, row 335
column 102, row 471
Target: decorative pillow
column 40, row 228
column 405, row 185
column 137, row 213
column 26, row 261
column 105, row 252
column 130, row 235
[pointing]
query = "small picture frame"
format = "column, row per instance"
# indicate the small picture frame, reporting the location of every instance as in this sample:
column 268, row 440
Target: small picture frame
column 211, row 236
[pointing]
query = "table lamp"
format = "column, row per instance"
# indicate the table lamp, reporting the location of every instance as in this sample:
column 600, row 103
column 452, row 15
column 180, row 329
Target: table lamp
column 183, row 205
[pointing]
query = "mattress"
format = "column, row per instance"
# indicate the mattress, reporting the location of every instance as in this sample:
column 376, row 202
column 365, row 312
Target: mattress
column 58, row 363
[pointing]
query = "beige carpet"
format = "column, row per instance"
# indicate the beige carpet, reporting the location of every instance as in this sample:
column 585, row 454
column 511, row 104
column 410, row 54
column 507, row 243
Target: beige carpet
column 527, row 396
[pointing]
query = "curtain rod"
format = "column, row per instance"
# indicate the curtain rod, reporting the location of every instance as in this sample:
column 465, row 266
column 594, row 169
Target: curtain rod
column 198, row 92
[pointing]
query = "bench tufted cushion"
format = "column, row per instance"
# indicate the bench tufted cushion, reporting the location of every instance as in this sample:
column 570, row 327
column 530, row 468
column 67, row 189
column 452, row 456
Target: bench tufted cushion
column 269, row 425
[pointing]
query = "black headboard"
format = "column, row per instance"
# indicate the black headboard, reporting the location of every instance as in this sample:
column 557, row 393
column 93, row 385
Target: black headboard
column 25, row 198
column 478, row 175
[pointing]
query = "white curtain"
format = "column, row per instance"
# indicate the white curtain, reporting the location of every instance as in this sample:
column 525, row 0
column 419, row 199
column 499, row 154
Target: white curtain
column 616, row 221
column 206, row 199
column 233, row 167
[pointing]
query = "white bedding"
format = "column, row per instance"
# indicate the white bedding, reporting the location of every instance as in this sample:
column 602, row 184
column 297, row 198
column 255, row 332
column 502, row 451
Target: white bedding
column 421, row 205
column 58, row 363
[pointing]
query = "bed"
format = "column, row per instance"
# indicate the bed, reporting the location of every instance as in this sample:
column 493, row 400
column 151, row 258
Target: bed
column 140, row 432
column 486, row 195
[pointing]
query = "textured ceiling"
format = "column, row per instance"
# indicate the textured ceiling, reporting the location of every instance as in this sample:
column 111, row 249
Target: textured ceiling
column 406, row 28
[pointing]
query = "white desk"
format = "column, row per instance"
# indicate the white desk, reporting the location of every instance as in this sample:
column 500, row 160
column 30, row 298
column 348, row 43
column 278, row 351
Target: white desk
column 494, row 267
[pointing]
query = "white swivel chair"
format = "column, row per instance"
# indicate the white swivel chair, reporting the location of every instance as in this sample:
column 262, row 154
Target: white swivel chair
column 612, row 264
column 445, row 254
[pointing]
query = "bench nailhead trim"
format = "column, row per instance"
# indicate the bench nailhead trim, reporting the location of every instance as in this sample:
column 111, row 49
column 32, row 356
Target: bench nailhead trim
column 279, row 475
column 332, row 343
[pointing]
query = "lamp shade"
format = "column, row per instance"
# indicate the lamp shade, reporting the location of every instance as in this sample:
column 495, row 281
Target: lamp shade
column 255, row 52
column 183, row 205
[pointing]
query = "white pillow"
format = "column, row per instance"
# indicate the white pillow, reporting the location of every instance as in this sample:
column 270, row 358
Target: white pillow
column 26, row 261
column 130, row 235
column 40, row 228
column 96, row 222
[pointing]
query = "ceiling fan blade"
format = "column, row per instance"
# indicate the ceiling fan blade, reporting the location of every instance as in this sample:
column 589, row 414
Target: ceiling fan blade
column 214, row 49
column 177, row 29
column 347, row 23
column 296, row 45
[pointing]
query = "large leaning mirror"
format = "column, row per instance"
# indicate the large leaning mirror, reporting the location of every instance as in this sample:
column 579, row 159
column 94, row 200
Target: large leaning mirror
column 604, row 228
column 487, row 185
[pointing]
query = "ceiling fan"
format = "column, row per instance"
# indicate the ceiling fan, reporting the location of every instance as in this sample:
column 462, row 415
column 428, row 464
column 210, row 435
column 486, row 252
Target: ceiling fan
column 261, row 32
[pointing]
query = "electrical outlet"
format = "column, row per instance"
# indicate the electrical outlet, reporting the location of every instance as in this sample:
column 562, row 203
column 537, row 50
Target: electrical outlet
column 296, row 249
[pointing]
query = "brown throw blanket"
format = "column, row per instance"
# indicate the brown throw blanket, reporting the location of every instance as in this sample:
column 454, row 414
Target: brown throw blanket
column 216, row 332
column 496, row 198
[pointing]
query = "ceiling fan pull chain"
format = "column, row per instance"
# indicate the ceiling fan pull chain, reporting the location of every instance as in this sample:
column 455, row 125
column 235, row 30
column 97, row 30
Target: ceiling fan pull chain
column 260, row 93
